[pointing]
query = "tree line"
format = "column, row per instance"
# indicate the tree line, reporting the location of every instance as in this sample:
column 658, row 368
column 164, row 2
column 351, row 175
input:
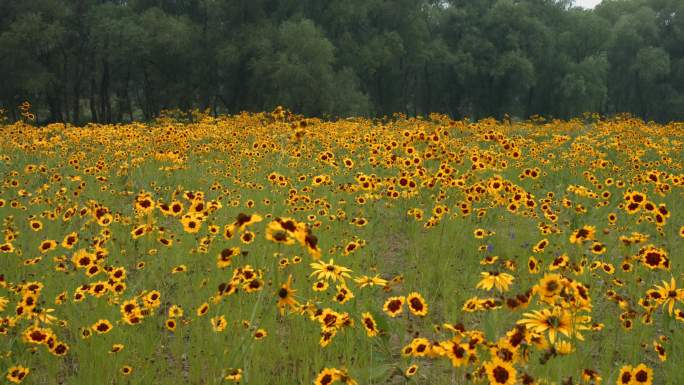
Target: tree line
column 84, row 61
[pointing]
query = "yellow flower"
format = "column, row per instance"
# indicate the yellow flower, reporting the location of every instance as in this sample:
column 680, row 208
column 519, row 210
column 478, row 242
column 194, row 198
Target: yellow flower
column 326, row 271
column 234, row 375
column 586, row 233
column 411, row 370
column 625, row 376
column 369, row 324
column 260, row 334
column 394, row 306
column 365, row 280
column 17, row 374
column 175, row 311
column 669, row 294
column 203, row 309
column 275, row 232
column 326, row 377
column 489, row 280
column 191, row 223
column 642, row 375
column 171, row 324
column 563, row 347
column 416, row 304
column 102, row 326
column 500, row 372
column 218, row 323
column 554, row 321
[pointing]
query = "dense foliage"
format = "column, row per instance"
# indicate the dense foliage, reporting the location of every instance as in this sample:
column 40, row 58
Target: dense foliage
column 111, row 61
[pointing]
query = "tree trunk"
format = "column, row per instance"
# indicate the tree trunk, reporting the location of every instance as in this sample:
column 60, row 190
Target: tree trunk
column 76, row 108
column 148, row 110
column 13, row 110
column 427, row 98
column 54, row 104
column 126, row 93
column 93, row 104
column 105, row 106
column 65, row 87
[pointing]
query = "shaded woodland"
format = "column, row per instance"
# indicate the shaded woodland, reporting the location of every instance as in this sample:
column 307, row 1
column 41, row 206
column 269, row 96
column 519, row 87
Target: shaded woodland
column 104, row 61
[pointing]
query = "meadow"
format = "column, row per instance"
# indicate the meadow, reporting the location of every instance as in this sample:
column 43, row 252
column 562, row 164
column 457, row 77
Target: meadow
column 272, row 248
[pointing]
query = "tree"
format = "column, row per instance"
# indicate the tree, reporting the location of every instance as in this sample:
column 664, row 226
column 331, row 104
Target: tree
column 296, row 70
column 114, row 60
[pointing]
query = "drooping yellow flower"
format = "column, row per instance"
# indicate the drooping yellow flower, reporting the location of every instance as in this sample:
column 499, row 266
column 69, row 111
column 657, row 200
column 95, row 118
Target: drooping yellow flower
column 286, row 296
column 330, row 271
column 501, row 281
column 365, row 280
column 563, row 347
column 669, row 294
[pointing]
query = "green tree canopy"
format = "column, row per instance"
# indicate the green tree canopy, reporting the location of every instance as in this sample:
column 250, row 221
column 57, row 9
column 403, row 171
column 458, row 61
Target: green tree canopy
column 108, row 61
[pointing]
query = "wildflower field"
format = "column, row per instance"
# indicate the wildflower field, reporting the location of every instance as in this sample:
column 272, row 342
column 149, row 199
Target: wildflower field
column 272, row 248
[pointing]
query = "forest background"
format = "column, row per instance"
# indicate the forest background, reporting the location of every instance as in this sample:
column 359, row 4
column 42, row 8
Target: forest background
column 105, row 61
